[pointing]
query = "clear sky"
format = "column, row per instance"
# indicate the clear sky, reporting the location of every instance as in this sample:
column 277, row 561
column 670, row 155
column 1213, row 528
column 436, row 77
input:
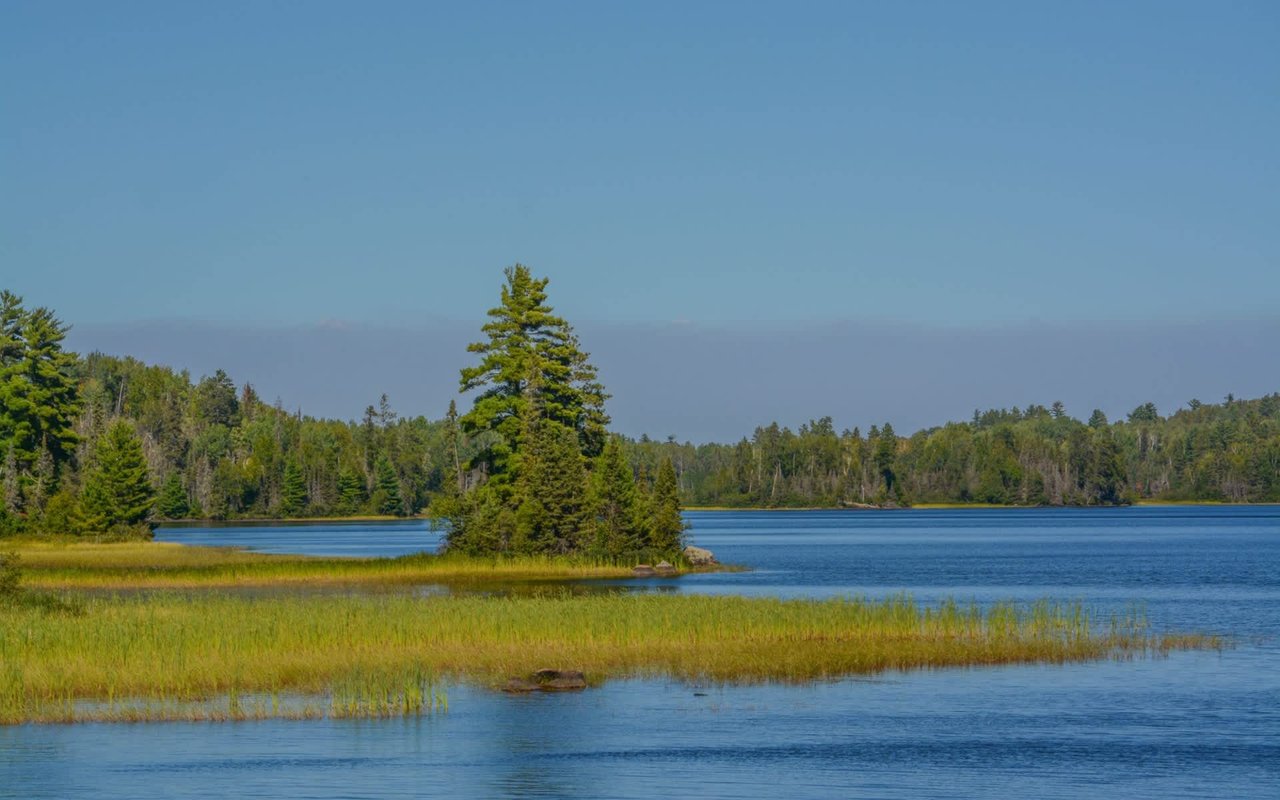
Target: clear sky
column 950, row 167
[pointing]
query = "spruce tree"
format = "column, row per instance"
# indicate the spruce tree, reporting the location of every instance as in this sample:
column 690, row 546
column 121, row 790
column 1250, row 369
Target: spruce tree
column 117, row 491
column 293, row 491
column 618, row 525
column 172, row 501
column 667, row 526
column 552, row 489
column 351, row 491
column 386, row 494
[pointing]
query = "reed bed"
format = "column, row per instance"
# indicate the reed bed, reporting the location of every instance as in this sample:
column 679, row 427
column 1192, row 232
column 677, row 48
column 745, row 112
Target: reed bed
column 195, row 656
column 164, row 565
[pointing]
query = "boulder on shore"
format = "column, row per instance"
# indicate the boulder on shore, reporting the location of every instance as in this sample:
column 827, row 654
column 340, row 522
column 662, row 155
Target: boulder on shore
column 699, row 557
column 665, row 568
column 643, row 571
column 559, row 680
column 547, row 680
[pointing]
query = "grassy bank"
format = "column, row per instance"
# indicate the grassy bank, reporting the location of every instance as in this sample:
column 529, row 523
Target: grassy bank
column 202, row 655
column 162, row 565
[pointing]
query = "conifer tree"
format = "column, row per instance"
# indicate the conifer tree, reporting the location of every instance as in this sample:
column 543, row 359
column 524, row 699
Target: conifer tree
column 527, row 342
column 618, row 525
column 293, row 490
column 667, row 528
column 386, row 495
column 117, row 491
column 351, row 491
column 552, row 490
column 39, row 398
column 172, row 501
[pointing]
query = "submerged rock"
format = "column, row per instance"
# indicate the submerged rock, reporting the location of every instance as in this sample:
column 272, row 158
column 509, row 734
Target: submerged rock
column 699, row 557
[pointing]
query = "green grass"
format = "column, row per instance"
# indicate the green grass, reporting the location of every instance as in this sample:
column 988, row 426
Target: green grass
column 213, row 655
column 157, row 565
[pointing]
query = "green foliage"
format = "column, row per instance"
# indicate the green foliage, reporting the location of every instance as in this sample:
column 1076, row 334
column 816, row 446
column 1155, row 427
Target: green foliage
column 619, row 527
column 351, row 491
column 553, row 504
column 386, row 494
column 117, row 490
column 172, row 501
column 527, row 344
column 38, row 403
column 1228, row 452
column 293, row 492
column 667, row 532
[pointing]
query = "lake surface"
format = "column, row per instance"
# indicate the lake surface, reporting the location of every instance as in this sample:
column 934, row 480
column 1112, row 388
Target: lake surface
column 1190, row 725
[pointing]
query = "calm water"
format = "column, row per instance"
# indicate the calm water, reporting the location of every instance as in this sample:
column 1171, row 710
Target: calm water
column 1191, row 725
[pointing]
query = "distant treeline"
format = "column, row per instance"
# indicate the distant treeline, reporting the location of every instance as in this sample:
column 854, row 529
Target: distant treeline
column 1033, row 456
column 101, row 442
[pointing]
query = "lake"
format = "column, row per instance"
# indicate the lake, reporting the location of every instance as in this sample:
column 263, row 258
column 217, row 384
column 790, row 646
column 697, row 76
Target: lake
column 1190, row 725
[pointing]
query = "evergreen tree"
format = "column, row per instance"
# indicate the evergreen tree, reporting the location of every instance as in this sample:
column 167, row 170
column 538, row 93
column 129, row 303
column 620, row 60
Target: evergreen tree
column 886, row 456
column 351, row 491
column 172, row 501
column 39, row 398
column 293, row 490
column 553, row 500
column 527, row 343
column 117, row 491
column 667, row 527
column 618, row 526
column 386, row 495
column 1097, row 419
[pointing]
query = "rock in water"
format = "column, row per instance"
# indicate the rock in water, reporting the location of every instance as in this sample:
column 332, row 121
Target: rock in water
column 699, row 557
column 559, row 680
column 664, row 568
column 643, row 571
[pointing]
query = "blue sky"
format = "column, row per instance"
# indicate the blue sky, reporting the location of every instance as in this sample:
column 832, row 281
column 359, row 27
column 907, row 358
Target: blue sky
column 954, row 168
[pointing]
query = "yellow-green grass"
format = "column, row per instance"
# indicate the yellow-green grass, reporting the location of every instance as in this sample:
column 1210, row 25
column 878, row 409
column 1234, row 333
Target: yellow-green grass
column 217, row 655
column 161, row 565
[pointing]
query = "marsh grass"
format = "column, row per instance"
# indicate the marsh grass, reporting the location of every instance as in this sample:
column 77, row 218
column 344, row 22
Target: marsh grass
column 224, row 656
column 162, row 565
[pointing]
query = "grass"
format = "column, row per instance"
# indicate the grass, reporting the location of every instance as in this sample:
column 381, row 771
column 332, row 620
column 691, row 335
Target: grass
column 161, row 565
column 214, row 655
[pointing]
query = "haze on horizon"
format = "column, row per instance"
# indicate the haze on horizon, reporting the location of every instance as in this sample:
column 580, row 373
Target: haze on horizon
column 897, row 213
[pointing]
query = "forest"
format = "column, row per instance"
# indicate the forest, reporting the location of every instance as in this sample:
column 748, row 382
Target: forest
column 104, row 442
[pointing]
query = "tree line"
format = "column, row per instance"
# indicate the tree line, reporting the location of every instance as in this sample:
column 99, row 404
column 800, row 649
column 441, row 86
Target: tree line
column 103, row 443
column 1227, row 452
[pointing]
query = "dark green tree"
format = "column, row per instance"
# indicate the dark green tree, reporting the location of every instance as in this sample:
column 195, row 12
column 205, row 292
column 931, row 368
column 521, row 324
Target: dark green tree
column 172, row 502
column 351, row 491
column 886, row 456
column 666, row 531
column 1097, row 419
column 525, row 342
column 39, row 397
column 386, row 494
column 619, row 527
column 117, row 491
column 293, row 490
column 553, row 509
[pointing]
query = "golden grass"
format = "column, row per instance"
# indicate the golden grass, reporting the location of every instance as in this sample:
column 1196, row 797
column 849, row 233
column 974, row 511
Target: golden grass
column 160, row 565
column 217, row 655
